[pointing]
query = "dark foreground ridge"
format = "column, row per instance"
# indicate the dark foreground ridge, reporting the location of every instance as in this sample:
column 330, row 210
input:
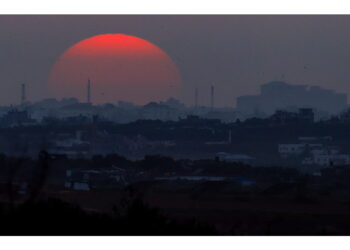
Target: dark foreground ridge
column 55, row 217
column 158, row 195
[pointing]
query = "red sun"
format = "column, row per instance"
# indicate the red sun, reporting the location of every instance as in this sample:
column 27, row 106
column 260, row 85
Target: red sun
column 120, row 67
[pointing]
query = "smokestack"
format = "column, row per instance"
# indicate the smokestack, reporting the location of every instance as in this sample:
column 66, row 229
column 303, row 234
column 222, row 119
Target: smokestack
column 23, row 93
column 196, row 97
column 88, row 98
column 212, row 96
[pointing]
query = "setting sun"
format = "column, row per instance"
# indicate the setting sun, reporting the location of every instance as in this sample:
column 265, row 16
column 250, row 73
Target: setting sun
column 121, row 67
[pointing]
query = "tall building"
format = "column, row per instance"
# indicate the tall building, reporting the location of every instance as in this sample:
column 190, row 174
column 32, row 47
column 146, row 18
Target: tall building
column 280, row 95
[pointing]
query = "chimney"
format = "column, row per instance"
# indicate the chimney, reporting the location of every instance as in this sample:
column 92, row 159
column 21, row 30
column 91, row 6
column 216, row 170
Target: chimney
column 196, row 98
column 88, row 98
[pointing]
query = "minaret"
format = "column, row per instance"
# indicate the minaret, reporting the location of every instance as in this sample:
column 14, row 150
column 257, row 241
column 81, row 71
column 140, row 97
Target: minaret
column 212, row 96
column 196, row 97
column 88, row 97
column 23, row 93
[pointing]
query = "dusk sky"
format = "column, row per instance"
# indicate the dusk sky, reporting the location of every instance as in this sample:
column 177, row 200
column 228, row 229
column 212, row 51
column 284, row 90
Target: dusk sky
column 235, row 53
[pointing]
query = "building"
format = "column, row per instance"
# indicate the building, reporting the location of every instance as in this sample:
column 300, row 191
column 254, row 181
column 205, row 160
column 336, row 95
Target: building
column 69, row 144
column 305, row 145
column 280, row 95
column 94, row 179
column 228, row 157
column 304, row 115
column 326, row 158
column 156, row 111
column 314, row 151
column 17, row 118
column 287, row 150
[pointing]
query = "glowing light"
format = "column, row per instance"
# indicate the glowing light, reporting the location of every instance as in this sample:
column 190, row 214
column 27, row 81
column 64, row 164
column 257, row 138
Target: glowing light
column 121, row 67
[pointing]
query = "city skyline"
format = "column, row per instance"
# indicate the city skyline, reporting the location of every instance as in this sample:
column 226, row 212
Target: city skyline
column 235, row 58
column 190, row 125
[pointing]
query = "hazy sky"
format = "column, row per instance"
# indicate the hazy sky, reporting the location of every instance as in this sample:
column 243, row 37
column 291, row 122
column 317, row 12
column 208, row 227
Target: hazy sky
column 237, row 53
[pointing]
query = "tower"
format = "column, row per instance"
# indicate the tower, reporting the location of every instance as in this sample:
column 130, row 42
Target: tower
column 23, row 93
column 212, row 96
column 88, row 97
column 196, row 97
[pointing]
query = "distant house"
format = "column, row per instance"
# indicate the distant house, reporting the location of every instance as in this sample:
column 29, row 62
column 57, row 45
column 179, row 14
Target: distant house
column 90, row 179
column 228, row 157
column 286, row 150
column 325, row 157
column 77, row 180
column 17, row 118
column 70, row 145
column 315, row 151
column 76, row 110
column 191, row 178
column 304, row 145
column 156, row 111
column 243, row 181
column 304, row 115
column 79, row 186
